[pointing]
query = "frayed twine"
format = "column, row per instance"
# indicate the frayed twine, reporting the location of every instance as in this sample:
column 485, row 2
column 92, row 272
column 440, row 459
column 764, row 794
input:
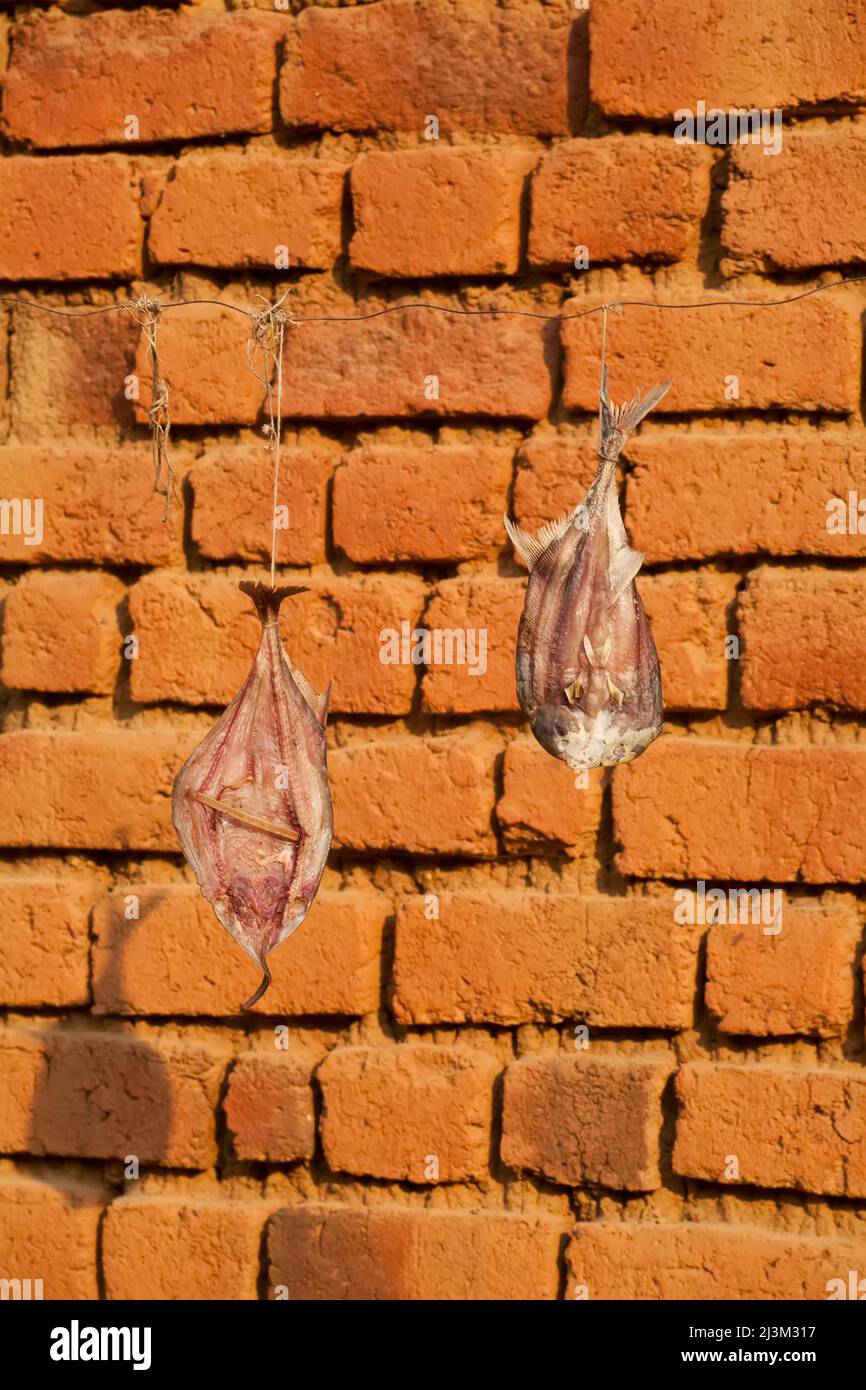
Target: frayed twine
column 146, row 312
column 267, row 338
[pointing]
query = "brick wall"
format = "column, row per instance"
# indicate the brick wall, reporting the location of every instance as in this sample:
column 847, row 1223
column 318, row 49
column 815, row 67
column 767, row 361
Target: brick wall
column 557, row 1085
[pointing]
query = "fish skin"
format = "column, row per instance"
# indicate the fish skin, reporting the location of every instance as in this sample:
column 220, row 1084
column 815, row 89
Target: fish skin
column 588, row 676
column 260, row 885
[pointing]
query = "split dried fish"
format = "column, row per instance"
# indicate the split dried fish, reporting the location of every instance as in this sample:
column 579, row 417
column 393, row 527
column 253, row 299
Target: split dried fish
column 251, row 806
column 588, row 675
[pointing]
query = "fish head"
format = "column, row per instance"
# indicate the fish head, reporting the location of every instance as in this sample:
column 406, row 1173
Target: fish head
column 584, row 741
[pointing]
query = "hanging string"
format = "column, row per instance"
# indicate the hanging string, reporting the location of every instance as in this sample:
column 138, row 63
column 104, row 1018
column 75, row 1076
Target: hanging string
column 146, row 313
column 268, row 336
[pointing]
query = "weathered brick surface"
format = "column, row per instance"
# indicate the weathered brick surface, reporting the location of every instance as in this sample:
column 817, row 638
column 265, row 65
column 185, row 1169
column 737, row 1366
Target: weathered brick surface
column 415, row 1113
column 685, row 497
column 233, row 499
column 804, row 638
column 652, row 61
column 44, row 942
column 655, row 193
column 390, row 65
column 770, row 352
column 423, row 796
column 41, row 198
column 49, row 1231
column 704, row 1260
column 61, row 632
column 224, row 209
column 782, row 1124
column 406, row 503
column 198, row 635
column 103, row 1095
column 775, row 210
column 486, row 612
column 269, row 1107
column 483, row 916
column 90, row 790
column 98, row 506
column 182, row 1248
column 580, row 1119
column 439, row 211
column 801, row 980
column 394, row 1252
column 73, row 80
column 512, row 957
column 143, row 964
column 543, row 809
column 693, row 807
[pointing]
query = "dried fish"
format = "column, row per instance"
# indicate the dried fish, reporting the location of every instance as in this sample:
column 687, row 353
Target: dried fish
column 588, row 676
column 251, row 806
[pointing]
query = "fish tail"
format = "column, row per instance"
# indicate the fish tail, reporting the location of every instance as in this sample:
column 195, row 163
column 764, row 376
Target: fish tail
column 266, row 980
column 619, row 421
column 268, row 600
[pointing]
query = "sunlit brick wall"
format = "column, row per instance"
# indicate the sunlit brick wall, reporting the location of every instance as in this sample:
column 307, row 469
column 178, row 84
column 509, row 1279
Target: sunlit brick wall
column 509, row 1054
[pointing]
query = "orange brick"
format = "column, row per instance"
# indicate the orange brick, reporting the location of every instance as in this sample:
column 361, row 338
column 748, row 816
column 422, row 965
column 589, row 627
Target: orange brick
column 507, row 956
column 44, row 943
column 40, row 199
column 49, row 1231
column 554, row 473
column 804, row 638
column 448, row 211
column 344, row 371
column 653, row 60
column 199, row 633
column 703, row 1260
column 775, row 210
column 220, row 208
column 390, row 66
column 182, row 1248
column 581, row 1119
column 98, row 505
column 770, row 352
column 799, row 981
column 61, row 632
column 685, row 497
column 72, row 374
column 785, row 1126
column 655, row 193
column 102, row 1095
column 690, row 617
column 143, row 964
column 393, row 1252
column 413, row 1113
column 490, row 608
column 541, row 809
column 425, row 796
column 703, row 808
column 203, row 354
column 269, row 1107
column 74, row 80
column 90, row 790
column 233, row 499
column 408, row 503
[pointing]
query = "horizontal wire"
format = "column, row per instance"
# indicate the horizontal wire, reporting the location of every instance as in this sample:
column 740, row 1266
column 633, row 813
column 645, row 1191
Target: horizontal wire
column 444, row 308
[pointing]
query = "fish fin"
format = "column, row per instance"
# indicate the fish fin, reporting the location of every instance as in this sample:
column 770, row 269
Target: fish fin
column 531, row 548
column 262, row 989
column 318, row 703
column 619, row 421
column 623, row 568
column 268, row 600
